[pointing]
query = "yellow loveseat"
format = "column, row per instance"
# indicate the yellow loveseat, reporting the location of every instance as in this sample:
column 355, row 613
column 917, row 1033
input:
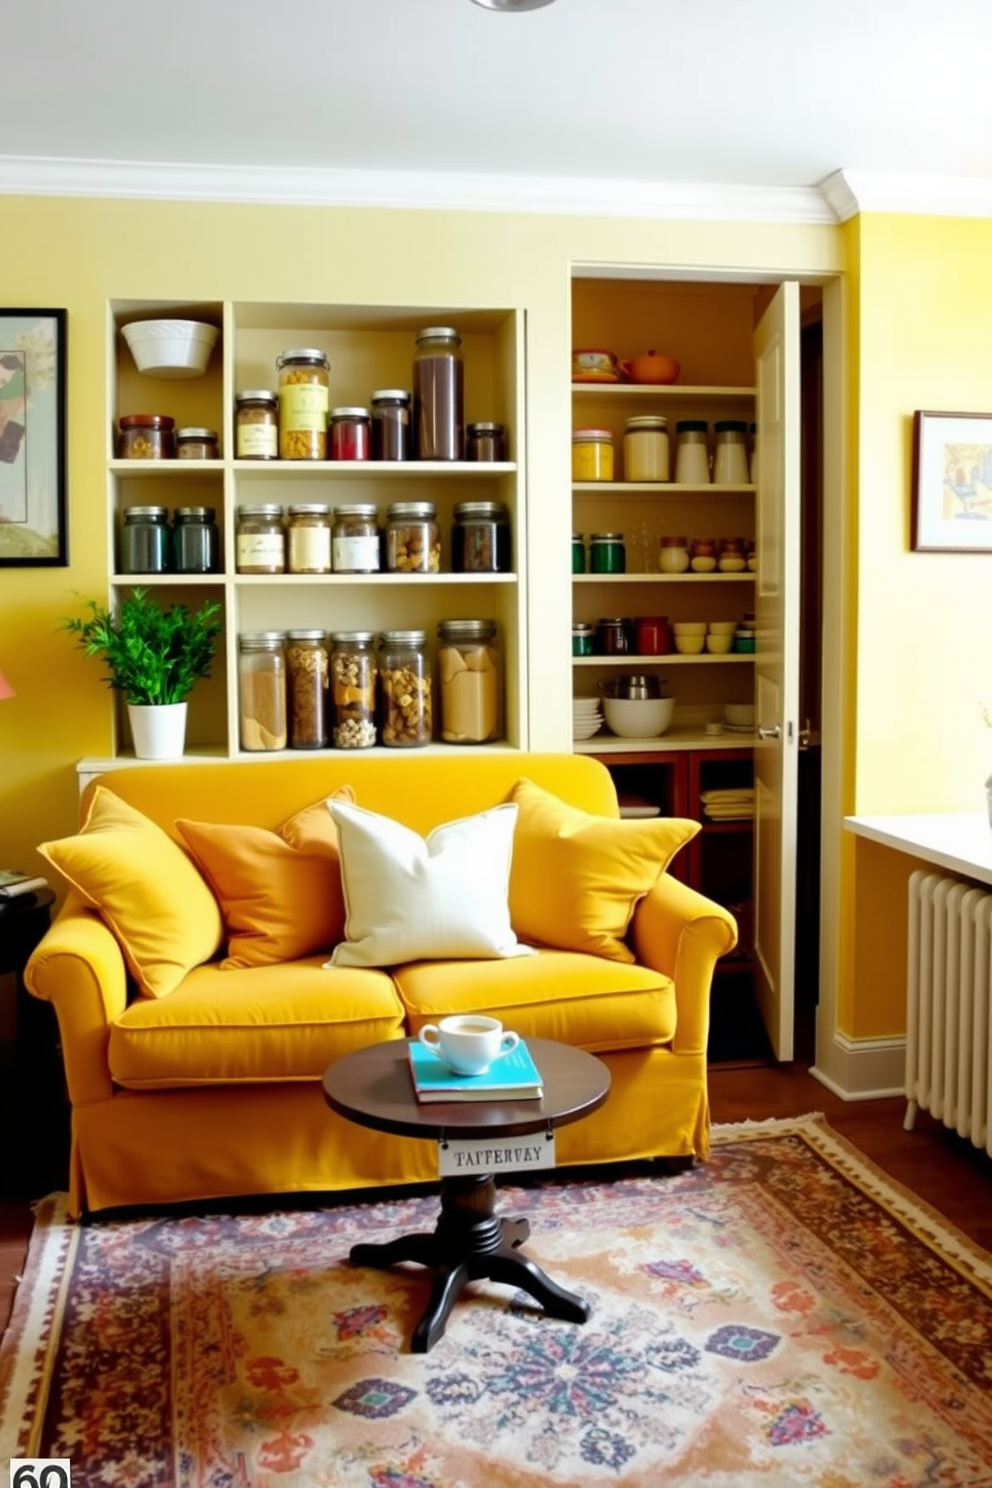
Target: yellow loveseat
column 213, row 1090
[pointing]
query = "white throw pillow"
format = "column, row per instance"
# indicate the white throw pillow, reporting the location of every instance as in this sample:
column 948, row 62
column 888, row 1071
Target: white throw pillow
column 409, row 898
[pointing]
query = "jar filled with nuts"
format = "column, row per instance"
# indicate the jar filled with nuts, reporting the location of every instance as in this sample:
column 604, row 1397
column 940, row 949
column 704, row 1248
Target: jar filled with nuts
column 304, row 400
column 413, row 538
column 306, row 681
column 406, row 705
column 353, row 677
column 469, row 674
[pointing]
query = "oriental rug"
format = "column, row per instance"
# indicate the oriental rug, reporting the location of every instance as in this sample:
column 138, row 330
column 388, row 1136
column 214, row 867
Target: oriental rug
column 783, row 1315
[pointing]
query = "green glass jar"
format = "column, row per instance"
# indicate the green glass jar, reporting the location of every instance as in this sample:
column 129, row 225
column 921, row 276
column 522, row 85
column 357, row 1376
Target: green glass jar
column 578, row 553
column 607, row 554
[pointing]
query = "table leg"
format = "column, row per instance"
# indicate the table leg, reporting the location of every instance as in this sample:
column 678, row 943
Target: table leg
column 470, row 1243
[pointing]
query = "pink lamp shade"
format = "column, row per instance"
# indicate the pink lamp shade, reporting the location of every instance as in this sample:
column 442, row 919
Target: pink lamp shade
column 6, row 691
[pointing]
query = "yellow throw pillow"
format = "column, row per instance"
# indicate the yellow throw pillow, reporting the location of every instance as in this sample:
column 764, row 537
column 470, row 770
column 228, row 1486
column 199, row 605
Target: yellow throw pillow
column 576, row 879
column 145, row 888
column 279, row 892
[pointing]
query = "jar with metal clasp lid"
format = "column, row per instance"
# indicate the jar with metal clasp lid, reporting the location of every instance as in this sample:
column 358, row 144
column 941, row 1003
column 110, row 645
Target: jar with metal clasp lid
column 391, row 424
column 260, row 540
column 256, row 424
column 308, row 538
column 355, row 544
column 405, row 689
column 262, row 689
column 353, row 689
column 306, row 683
column 304, row 400
column 469, row 672
column 480, row 538
column 145, row 540
column 195, row 542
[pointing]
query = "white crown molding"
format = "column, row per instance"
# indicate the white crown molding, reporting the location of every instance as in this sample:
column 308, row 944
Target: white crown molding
column 849, row 192
column 423, row 190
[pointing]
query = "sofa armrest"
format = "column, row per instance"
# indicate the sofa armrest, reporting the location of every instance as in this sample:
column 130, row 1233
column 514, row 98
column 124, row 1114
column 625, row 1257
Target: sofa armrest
column 77, row 966
column 680, row 932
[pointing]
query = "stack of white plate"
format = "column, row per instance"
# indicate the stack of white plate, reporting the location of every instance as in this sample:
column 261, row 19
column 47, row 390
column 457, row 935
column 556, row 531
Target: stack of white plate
column 587, row 716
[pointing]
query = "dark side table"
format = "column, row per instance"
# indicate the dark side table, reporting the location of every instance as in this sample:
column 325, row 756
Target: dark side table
column 34, row 1113
column 373, row 1088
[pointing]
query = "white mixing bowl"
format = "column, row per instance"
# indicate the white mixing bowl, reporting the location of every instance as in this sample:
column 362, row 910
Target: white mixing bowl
column 638, row 718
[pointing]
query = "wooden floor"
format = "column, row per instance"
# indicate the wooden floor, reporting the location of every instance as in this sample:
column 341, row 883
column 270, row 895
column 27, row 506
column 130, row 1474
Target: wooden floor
column 943, row 1170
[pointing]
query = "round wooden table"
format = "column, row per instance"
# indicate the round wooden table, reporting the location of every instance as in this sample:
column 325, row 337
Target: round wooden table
column 373, row 1087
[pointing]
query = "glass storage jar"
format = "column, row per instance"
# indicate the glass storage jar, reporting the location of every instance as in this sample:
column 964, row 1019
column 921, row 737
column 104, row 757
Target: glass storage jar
column 413, row 537
column 582, row 633
column 405, row 691
column 355, row 546
column 438, row 394
column 607, row 554
column 651, row 635
column 350, row 434
column 194, row 443
column 673, row 556
column 578, row 553
column 485, row 442
column 480, row 538
column 469, row 672
column 308, row 538
column 611, row 637
column 145, row 540
column 256, row 424
column 592, row 455
column 391, row 424
column 645, row 448
column 304, row 399
column 195, row 543
column 262, row 689
column 730, row 455
column 147, row 436
column 260, row 540
column 306, row 684
column 353, row 689
column 692, row 461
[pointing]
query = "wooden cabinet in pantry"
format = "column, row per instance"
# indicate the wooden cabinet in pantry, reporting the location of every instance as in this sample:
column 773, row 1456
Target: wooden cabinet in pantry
column 369, row 347
column 708, row 328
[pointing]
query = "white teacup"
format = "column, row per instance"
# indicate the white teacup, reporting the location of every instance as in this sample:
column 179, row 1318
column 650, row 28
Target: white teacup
column 468, row 1042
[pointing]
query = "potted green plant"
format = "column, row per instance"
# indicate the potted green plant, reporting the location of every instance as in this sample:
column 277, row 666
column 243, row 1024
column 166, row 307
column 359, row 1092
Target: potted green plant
column 154, row 655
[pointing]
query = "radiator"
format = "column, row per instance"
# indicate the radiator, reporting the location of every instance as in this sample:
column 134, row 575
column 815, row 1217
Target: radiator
column 949, row 1027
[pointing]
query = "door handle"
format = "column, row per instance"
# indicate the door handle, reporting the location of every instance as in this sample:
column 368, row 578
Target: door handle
column 770, row 733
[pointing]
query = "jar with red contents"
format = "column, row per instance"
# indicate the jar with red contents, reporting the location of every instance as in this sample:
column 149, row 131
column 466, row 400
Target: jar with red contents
column 350, row 433
column 651, row 635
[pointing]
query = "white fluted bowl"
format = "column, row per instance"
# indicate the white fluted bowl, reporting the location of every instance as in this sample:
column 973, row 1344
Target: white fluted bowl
column 170, row 348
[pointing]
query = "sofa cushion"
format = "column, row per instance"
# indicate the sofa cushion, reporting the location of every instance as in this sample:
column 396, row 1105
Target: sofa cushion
column 144, row 886
column 264, row 1024
column 576, row 879
column 585, row 1000
column 412, row 898
column 279, row 892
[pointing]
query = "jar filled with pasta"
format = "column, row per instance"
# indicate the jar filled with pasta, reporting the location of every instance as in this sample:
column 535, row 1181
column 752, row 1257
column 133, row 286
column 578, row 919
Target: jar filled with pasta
column 304, row 401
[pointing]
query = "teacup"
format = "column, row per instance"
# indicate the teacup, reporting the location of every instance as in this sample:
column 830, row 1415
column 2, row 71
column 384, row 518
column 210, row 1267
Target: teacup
column 468, row 1042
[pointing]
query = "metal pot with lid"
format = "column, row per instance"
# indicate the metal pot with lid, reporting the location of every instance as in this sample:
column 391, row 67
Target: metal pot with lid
column 635, row 686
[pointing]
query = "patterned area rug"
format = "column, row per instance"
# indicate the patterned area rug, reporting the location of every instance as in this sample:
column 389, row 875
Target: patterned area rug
column 783, row 1315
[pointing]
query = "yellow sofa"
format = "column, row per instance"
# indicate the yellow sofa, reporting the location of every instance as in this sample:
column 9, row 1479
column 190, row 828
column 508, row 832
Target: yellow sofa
column 214, row 1091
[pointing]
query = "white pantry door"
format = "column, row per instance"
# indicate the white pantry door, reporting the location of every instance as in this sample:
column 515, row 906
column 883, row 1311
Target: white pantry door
column 777, row 363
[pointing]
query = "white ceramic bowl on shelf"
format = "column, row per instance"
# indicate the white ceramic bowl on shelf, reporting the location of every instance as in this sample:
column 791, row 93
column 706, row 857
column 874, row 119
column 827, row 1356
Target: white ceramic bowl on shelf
column 638, row 718
column 739, row 715
column 170, row 348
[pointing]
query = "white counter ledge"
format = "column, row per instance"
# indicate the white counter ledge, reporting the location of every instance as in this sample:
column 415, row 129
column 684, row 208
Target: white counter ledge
column 960, row 841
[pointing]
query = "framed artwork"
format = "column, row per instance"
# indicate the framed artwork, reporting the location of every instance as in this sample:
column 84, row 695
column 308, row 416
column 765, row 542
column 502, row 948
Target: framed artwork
column 32, row 438
column 952, row 482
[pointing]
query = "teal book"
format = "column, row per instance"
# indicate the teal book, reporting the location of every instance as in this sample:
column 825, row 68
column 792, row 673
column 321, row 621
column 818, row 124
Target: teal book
column 511, row 1077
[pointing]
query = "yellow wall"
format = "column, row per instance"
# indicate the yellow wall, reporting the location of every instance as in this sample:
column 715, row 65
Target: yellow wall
column 921, row 332
column 80, row 254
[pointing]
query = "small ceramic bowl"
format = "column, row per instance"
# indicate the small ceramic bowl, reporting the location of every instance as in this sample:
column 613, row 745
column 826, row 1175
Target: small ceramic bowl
column 719, row 644
column 690, row 627
column 690, row 645
column 722, row 627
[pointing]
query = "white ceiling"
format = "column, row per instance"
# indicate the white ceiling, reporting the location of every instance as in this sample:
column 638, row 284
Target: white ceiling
column 645, row 94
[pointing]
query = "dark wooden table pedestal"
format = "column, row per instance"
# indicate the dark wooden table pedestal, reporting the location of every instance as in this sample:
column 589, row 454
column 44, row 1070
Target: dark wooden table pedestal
column 470, row 1241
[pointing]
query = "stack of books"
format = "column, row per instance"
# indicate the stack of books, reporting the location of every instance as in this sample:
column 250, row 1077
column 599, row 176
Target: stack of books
column 13, row 882
column 513, row 1076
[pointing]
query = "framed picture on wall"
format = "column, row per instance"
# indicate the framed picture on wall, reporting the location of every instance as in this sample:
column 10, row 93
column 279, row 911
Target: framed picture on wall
column 32, row 438
column 952, row 482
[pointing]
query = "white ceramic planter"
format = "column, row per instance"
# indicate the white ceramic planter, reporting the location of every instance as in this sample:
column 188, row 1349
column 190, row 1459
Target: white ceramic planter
column 159, row 732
